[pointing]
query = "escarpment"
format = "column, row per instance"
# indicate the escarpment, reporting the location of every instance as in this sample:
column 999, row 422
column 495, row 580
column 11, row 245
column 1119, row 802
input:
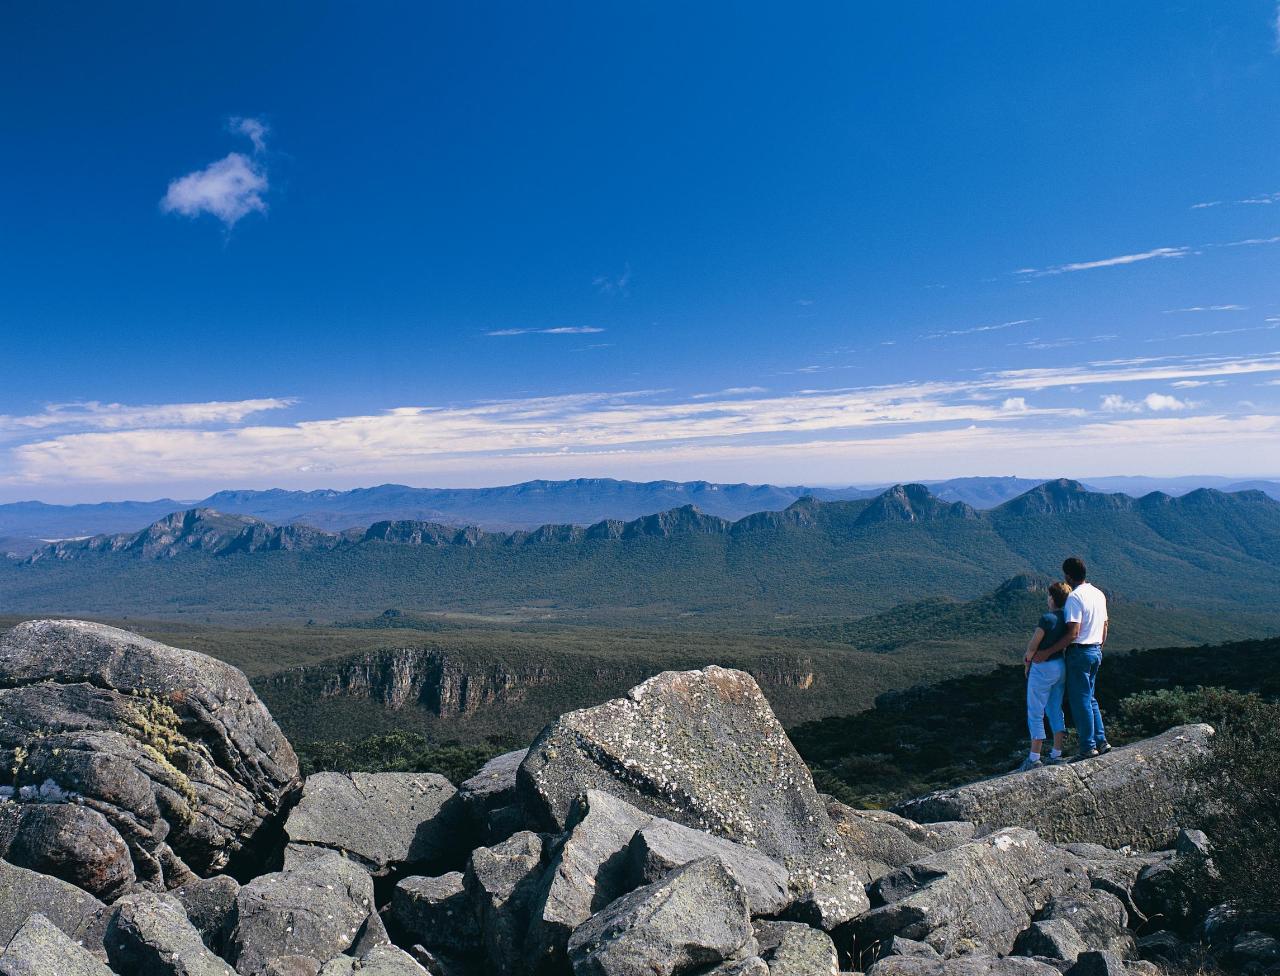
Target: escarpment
column 152, row 820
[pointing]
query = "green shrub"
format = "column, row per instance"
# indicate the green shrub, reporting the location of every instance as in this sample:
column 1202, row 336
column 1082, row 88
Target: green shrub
column 1152, row 712
column 397, row 752
column 1238, row 804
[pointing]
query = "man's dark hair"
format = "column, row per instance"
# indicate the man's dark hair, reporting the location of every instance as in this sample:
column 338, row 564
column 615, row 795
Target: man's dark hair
column 1073, row 569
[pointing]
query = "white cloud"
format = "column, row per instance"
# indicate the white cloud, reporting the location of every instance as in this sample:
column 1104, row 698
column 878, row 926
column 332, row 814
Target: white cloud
column 1163, row 401
column 230, row 188
column 1193, row 384
column 1155, row 402
column 981, row 328
column 1207, row 308
column 92, row 415
column 255, row 130
column 1015, row 405
column 1159, row 252
column 559, row 330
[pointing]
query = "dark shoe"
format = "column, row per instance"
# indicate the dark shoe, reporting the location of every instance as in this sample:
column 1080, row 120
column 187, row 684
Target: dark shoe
column 1028, row 764
column 1052, row 760
column 1081, row 757
column 1104, row 747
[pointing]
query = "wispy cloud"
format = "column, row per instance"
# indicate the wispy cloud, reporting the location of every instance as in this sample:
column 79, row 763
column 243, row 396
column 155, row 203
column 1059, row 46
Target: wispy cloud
column 645, row 426
column 731, row 391
column 1122, row 259
column 230, row 188
column 1207, row 308
column 997, row 327
column 614, row 284
column 559, row 330
column 1261, row 199
column 92, row 415
column 1218, row 332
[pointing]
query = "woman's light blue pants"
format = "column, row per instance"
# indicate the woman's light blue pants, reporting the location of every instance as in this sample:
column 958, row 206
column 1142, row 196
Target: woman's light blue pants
column 1046, row 684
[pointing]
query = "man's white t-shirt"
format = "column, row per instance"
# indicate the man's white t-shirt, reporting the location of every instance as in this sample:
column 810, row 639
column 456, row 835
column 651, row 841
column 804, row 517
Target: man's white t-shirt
column 1088, row 607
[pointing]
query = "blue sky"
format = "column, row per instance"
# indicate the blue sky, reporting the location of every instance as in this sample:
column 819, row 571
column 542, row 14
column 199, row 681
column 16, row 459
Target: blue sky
column 321, row 245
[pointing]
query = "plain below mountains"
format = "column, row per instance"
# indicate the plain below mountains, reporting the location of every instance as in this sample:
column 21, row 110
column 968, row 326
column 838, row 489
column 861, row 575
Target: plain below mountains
column 1207, row 553
column 583, row 501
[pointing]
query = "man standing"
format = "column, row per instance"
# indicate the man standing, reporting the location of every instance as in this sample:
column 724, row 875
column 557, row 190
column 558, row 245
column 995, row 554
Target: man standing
column 1086, row 615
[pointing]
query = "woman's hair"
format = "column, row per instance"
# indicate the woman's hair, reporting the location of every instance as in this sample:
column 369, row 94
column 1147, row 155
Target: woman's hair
column 1059, row 592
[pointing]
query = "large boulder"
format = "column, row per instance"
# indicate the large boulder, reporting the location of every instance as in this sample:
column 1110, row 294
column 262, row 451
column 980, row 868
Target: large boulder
column 704, row 749
column 502, row 886
column 72, row 910
column 67, row 840
column 977, row 964
column 149, row 935
column 1129, row 797
column 490, row 799
column 311, row 913
column 974, row 898
column 793, row 949
column 40, row 948
column 693, row 919
column 385, row 821
column 171, row 748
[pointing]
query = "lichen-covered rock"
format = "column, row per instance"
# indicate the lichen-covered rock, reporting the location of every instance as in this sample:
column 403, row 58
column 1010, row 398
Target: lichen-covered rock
column 313, row 912
column 704, row 749
column 1053, row 938
column 662, row 846
column 1098, row 963
column 69, row 841
column 977, row 964
column 1130, row 796
column 385, row 821
column 72, row 910
column 435, row 912
column 1116, row 872
column 793, row 949
column 693, row 919
column 210, row 906
column 880, row 843
column 40, row 948
column 973, row 898
column 171, row 747
column 502, row 883
column 149, row 935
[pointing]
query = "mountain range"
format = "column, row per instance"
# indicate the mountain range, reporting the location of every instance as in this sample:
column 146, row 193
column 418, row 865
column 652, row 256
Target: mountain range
column 1207, row 552
column 582, row 501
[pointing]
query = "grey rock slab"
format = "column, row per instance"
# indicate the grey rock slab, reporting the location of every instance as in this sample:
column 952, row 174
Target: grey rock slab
column 1098, row 916
column 880, row 842
column 149, row 935
column 977, row 964
column 75, row 912
column 385, row 820
column 1131, row 796
column 703, row 749
column 315, row 912
column 588, row 870
column 1098, row 963
column 662, row 845
column 1258, row 948
column 1116, row 872
column 973, row 898
column 210, row 906
column 40, row 948
column 379, row 961
column 173, row 748
column 436, row 913
column 1053, row 938
column 695, row 918
column 502, row 883
column 495, row 785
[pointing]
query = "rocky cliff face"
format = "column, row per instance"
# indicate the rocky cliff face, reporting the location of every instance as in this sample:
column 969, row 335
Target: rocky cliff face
column 444, row 686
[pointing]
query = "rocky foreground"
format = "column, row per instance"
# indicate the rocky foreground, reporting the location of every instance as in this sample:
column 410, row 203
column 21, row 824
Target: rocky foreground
column 153, row 822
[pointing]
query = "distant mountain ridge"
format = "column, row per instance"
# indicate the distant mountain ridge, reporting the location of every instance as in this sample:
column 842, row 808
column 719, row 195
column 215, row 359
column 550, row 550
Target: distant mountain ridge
column 1209, row 552
column 581, row 501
